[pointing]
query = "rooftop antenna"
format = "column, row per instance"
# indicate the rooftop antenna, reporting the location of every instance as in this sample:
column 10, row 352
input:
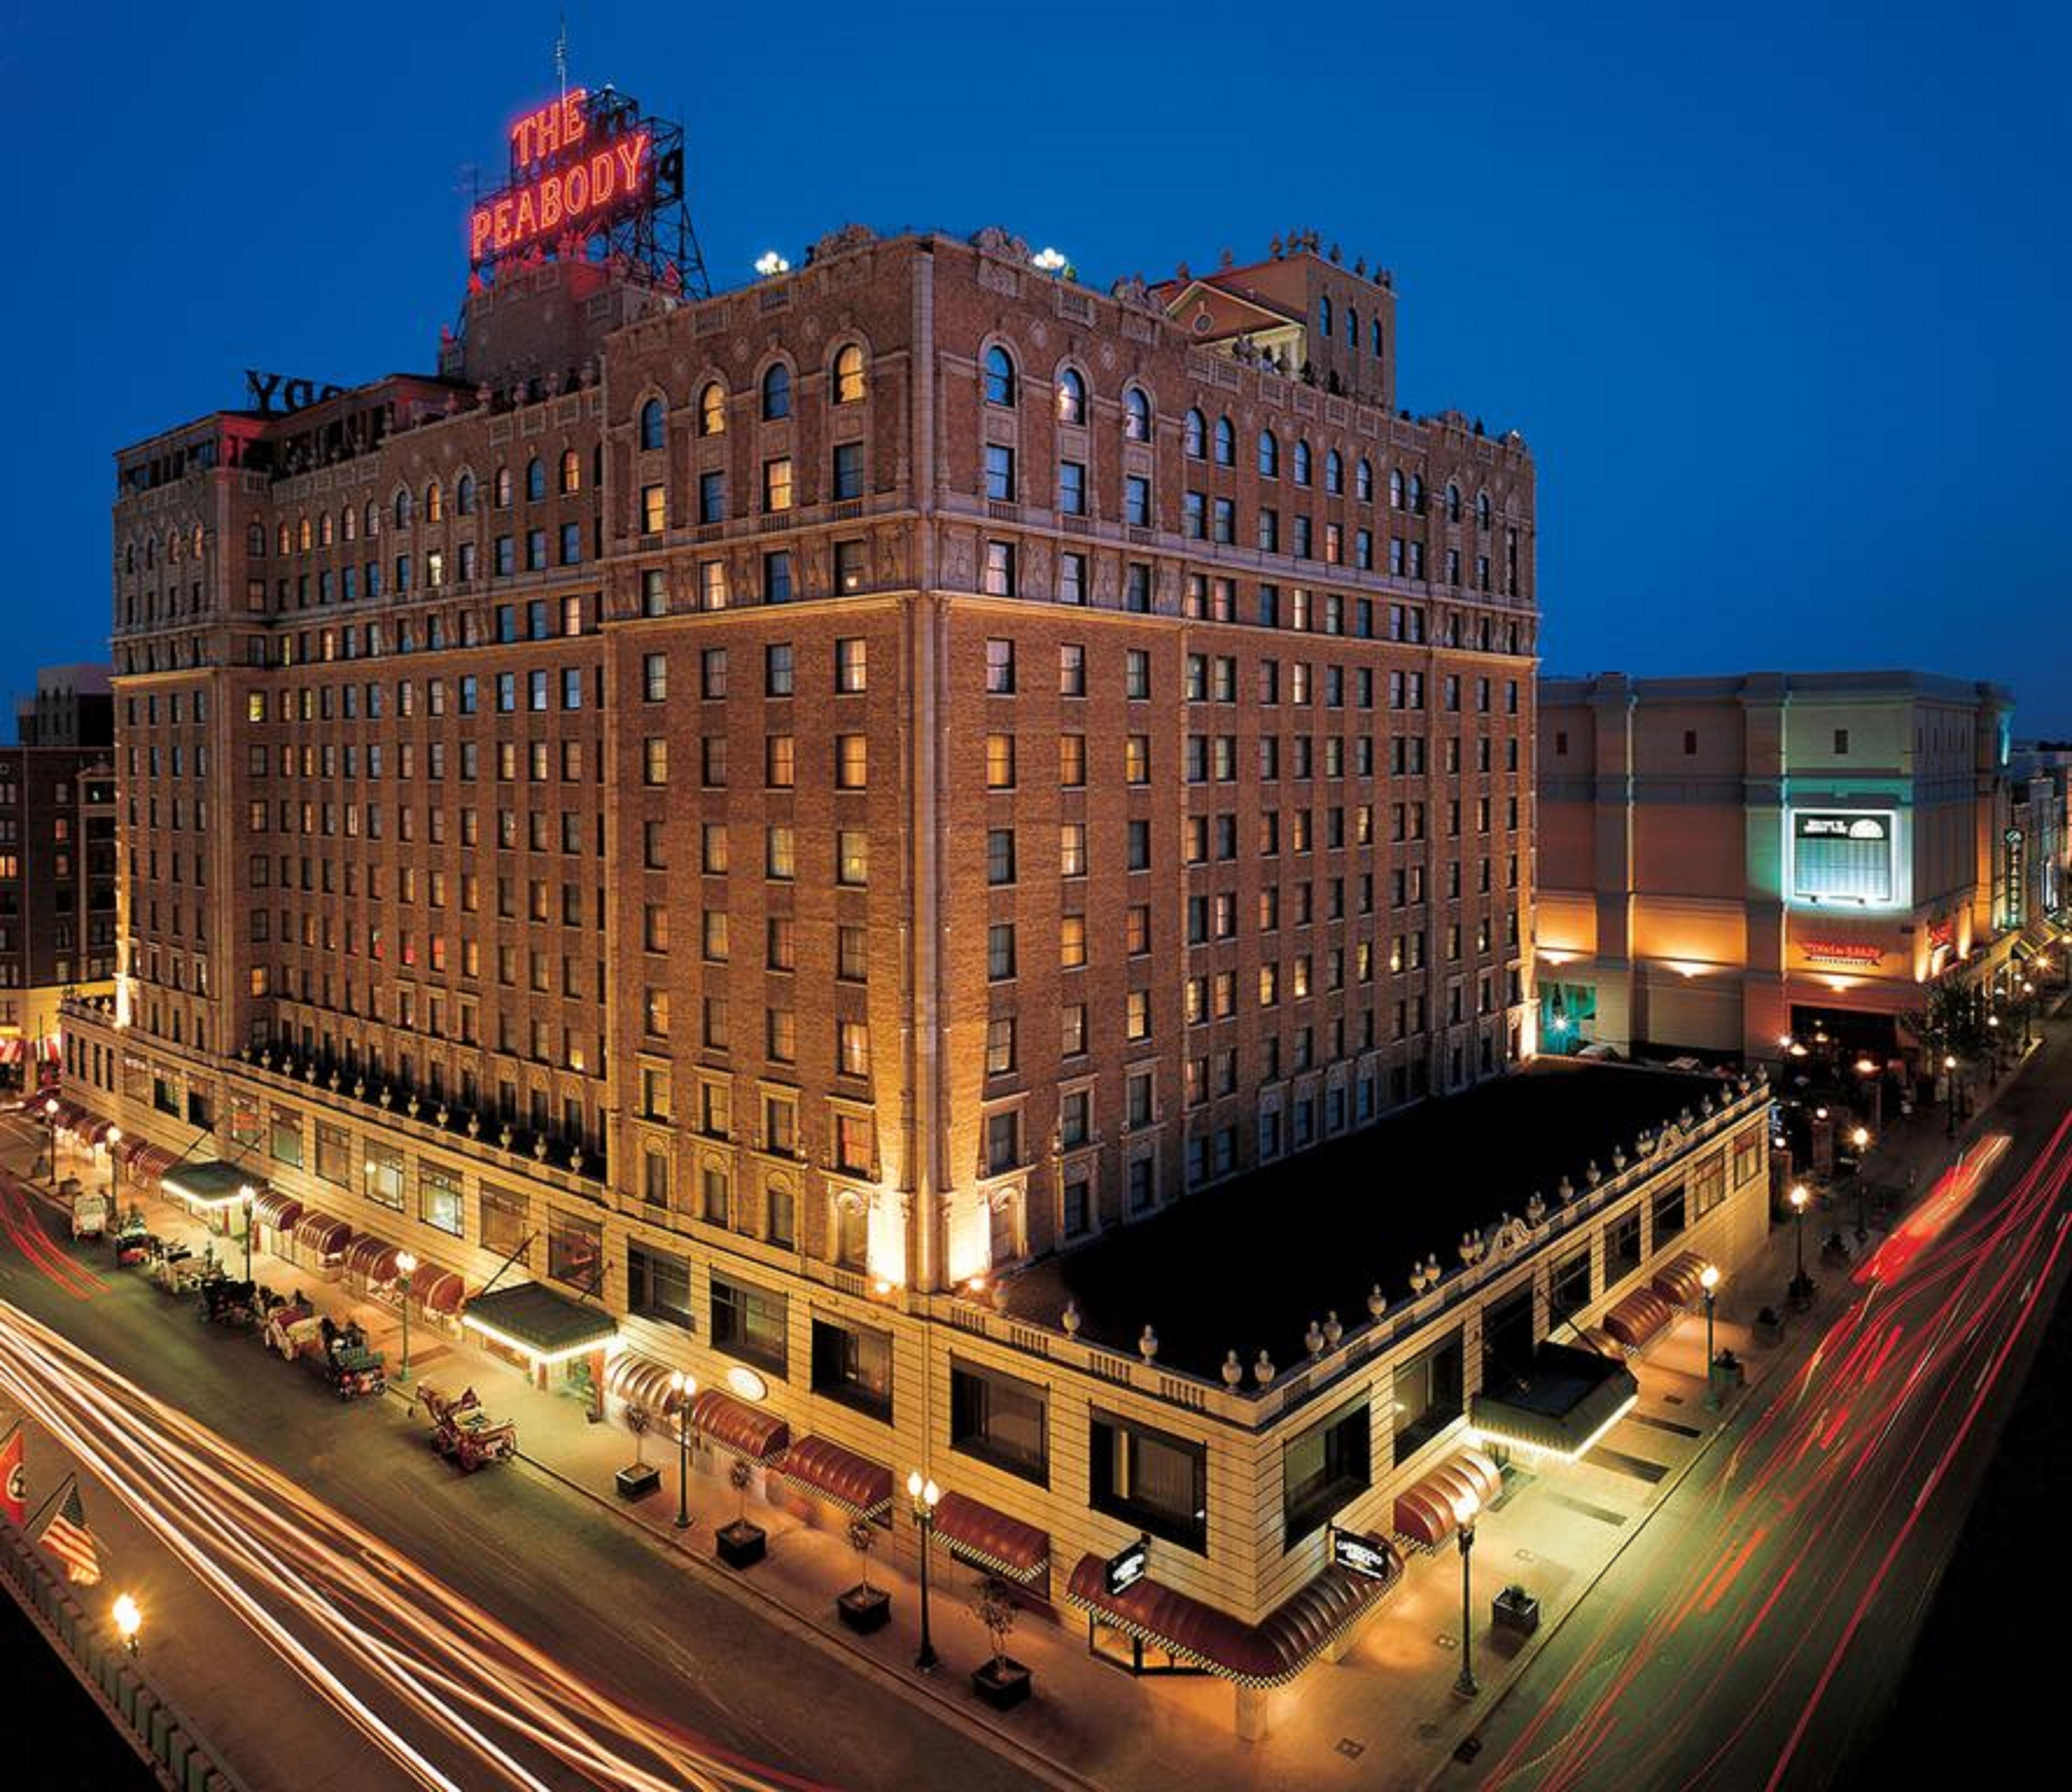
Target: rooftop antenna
column 562, row 56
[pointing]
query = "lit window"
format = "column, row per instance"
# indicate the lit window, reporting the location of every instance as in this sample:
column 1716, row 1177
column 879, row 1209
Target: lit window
column 849, row 376
column 1071, row 397
column 712, row 410
column 1136, row 416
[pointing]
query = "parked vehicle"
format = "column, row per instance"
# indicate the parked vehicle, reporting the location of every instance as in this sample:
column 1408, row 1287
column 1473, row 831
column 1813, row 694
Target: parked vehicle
column 337, row 1353
column 133, row 1243
column 89, row 1214
column 171, row 1266
column 466, row 1435
column 224, row 1302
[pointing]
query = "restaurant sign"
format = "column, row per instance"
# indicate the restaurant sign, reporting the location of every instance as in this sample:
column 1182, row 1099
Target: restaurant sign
column 1859, row 954
column 1126, row 1567
column 1355, row 1552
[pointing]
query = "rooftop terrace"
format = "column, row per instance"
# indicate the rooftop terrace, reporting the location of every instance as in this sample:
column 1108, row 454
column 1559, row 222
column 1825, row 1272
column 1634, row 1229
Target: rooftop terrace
column 1252, row 1263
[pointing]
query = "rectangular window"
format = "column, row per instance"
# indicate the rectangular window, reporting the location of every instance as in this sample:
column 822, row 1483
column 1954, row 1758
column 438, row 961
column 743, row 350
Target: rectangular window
column 1323, row 1469
column 382, row 1176
column 1001, row 1419
column 749, row 1323
column 1151, row 1479
column 506, row 1217
column 286, row 1144
column 848, row 471
column 658, row 1285
column 334, row 1155
column 1427, row 1395
column 853, row 1364
column 575, row 1251
column 439, row 1200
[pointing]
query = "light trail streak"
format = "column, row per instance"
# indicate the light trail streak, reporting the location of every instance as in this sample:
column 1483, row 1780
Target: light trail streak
column 293, row 1569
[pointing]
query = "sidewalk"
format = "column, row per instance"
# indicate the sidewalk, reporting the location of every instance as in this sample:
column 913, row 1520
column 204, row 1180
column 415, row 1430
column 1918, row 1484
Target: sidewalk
column 1385, row 1717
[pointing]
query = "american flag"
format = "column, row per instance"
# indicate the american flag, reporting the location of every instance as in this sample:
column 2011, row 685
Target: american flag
column 66, row 1537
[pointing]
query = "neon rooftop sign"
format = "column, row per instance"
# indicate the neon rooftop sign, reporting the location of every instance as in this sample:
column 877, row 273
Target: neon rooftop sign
column 567, row 179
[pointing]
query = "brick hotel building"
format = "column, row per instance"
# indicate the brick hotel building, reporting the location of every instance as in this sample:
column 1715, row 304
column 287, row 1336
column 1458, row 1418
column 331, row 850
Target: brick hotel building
column 761, row 814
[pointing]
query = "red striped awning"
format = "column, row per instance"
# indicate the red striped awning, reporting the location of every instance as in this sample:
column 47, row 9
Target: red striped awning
column 821, row 1467
column 1681, row 1280
column 69, row 1116
column 278, row 1209
column 735, row 1425
column 1638, row 1317
column 323, row 1235
column 149, row 1162
column 437, row 1290
column 372, row 1259
column 93, row 1129
column 640, row 1381
column 1268, row 1654
column 1424, row 1510
column 989, row 1537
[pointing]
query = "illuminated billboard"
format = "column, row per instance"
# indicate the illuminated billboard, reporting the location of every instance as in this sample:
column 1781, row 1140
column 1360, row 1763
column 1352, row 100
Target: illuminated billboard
column 1843, row 857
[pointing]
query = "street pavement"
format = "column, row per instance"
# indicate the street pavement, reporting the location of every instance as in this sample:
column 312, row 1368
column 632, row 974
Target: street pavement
column 1740, row 1640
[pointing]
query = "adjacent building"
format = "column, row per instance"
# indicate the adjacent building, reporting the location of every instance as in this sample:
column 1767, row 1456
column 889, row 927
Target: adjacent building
column 57, row 862
column 1725, row 863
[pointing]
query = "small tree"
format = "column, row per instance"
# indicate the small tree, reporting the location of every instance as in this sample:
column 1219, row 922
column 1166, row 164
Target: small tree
column 638, row 1420
column 862, row 1539
column 738, row 1475
column 993, row 1606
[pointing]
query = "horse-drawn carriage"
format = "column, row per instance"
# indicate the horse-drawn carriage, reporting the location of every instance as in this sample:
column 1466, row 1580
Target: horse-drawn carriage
column 337, row 1353
column 172, row 1268
column 466, row 1435
column 227, row 1302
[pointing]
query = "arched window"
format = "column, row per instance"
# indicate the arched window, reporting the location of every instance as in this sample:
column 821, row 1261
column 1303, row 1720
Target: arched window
column 650, row 424
column 435, row 502
column 255, row 543
column 1417, row 493
column 712, row 410
column 503, row 488
column 464, row 494
column 1374, row 337
column 1324, row 316
column 1394, row 488
column 151, row 547
column 1453, row 502
column 776, row 392
column 1482, row 508
column 571, row 470
column 279, row 544
column 348, row 524
column 1335, row 471
column 1071, row 397
column 1352, row 326
column 302, row 533
column 1301, row 463
column 1136, row 415
column 373, row 521
column 1226, row 443
column 536, row 480
column 1363, row 481
column 325, row 530
column 848, row 375
column 1194, row 435
column 999, row 377
column 1269, row 455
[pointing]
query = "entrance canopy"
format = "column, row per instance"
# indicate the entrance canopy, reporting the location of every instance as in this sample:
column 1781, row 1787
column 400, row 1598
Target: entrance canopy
column 539, row 1323
column 206, row 1187
column 1567, row 1401
column 1633, row 1322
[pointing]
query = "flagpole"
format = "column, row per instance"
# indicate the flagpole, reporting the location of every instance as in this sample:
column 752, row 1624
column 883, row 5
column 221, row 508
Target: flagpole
column 70, row 1480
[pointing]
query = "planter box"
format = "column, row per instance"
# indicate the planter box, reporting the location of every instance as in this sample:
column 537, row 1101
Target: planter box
column 1003, row 1688
column 1770, row 1332
column 1520, row 1615
column 741, row 1545
column 865, row 1609
column 638, row 1481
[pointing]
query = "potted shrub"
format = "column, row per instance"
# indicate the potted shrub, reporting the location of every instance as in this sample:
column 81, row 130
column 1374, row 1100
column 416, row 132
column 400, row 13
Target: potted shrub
column 1728, row 1371
column 1515, row 1609
column 639, row 1477
column 1002, row 1683
column 1768, row 1327
column 741, row 1545
column 864, row 1608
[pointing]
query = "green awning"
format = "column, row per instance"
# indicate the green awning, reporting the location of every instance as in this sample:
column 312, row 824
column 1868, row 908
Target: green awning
column 214, row 1183
column 1568, row 1400
column 538, row 1323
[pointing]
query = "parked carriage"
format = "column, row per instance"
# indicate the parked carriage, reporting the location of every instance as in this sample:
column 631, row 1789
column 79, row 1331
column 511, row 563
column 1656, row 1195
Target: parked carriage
column 466, row 1435
column 227, row 1302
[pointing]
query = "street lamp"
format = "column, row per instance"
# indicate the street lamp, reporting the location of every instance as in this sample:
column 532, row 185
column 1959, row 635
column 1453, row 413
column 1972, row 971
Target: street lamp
column 1861, row 1139
column 50, row 1121
column 2028, row 1002
column 1802, row 1286
column 1465, row 1509
column 406, row 1267
column 1993, row 1032
column 249, row 1195
column 1709, row 1279
column 922, row 1496
column 681, row 1387
column 128, row 1620
column 1950, row 1091
column 114, row 1165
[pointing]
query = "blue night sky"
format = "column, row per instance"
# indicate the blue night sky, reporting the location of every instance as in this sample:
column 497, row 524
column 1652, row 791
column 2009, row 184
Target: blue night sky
column 1778, row 300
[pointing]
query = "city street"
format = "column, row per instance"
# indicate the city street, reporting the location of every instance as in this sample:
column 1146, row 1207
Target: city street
column 555, row 1646
column 1742, row 1638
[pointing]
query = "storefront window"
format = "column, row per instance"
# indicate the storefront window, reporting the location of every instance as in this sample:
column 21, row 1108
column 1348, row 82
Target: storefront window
column 287, row 1137
column 1000, row 1419
column 439, row 1200
column 749, row 1323
column 382, row 1175
column 575, row 1251
column 1428, row 1396
column 1568, row 1289
column 1152, row 1479
column 1671, row 1215
column 1327, row 1465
